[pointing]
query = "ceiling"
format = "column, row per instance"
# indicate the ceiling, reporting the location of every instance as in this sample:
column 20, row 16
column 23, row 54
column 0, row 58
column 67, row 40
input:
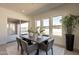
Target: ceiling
column 30, row 8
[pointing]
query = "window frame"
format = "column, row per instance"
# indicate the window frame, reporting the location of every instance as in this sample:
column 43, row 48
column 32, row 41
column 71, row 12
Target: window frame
column 43, row 22
column 26, row 31
column 36, row 23
column 46, row 27
column 56, row 27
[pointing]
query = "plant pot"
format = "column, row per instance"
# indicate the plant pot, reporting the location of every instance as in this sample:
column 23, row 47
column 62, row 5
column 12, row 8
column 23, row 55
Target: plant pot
column 69, row 42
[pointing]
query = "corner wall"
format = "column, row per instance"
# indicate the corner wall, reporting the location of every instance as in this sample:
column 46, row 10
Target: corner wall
column 4, row 15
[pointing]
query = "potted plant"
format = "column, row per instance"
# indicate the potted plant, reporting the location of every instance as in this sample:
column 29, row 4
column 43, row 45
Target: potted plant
column 36, row 33
column 39, row 31
column 70, row 22
column 31, row 32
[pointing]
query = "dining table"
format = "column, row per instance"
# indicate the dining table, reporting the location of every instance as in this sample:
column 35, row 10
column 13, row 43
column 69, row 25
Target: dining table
column 37, row 40
column 34, row 39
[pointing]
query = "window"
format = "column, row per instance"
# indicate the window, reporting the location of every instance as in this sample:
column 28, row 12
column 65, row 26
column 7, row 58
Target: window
column 56, row 20
column 57, row 26
column 46, row 26
column 37, row 23
column 24, row 28
column 57, row 32
column 11, row 28
column 46, row 32
column 46, row 22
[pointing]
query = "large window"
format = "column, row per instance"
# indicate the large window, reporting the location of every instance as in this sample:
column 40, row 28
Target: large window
column 57, row 26
column 46, row 26
column 56, row 20
column 46, row 22
column 46, row 32
column 37, row 23
column 24, row 28
column 11, row 28
column 57, row 32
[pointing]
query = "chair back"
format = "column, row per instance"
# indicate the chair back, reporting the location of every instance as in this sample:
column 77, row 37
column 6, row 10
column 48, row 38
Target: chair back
column 24, row 45
column 50, row 44
column 46, row 35
column 28, row 48
column 18, row 39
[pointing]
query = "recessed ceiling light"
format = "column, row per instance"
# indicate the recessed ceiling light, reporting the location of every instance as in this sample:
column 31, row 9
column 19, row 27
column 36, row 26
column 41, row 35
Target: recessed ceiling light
column 23, row 11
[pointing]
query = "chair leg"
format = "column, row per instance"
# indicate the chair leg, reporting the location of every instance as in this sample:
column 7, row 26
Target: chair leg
column 27, row 53
column 37, row 53
column 46, row 53
column 22, row 51
column 52, row 50
column 18, row 47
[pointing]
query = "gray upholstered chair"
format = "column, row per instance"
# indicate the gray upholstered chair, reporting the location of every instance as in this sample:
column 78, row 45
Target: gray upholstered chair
column 46, row 35
column 46, row 47
column 18, row 39
column 29, row 42
column 46, row 41
column 28, row 48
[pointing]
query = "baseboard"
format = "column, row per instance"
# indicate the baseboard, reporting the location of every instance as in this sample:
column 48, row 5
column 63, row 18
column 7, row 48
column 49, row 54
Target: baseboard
column 76, row 50
column 7, row 43
column 60, row 45
column 11, row 41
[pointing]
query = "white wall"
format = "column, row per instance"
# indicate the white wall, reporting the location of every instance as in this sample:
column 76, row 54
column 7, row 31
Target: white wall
column 62, row 11
column 4, row 15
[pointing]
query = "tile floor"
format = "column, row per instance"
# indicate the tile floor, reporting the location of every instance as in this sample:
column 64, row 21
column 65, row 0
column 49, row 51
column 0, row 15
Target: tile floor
column 11, row 49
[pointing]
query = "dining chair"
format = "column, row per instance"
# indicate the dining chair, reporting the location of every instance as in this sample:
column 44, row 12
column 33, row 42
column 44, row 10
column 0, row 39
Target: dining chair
column 18, row 39
column 47, row 47
column 46, row 35
column 46, row 40
column 29, row 42
column 28, row 48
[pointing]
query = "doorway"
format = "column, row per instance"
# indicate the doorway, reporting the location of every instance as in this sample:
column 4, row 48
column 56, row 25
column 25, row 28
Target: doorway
column 15, row 28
